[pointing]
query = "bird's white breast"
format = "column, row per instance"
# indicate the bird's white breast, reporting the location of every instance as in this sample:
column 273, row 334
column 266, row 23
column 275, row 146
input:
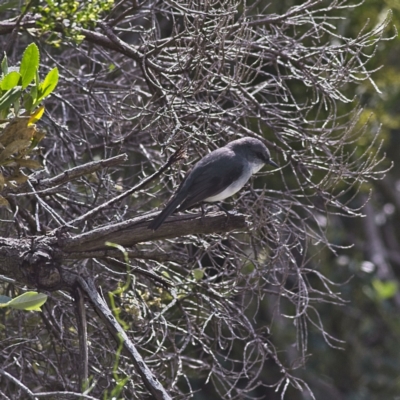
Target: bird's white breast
column 233, row 187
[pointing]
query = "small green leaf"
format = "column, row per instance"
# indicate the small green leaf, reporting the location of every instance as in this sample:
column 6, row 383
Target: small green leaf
column 48, row 85
column 17, row 106
column 9, row 97
column 4, row 65
column 198, row 274
column 29, row 301
column 29, row 64
column 10, row 80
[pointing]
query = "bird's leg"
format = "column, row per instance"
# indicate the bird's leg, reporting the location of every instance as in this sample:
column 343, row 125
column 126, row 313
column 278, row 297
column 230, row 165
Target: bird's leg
column 228, row 213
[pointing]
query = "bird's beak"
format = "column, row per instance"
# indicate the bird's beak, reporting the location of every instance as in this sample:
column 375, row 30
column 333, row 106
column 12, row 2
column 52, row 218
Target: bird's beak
column 273, row 163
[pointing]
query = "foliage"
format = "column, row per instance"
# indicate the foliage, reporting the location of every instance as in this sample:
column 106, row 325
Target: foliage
column 29, row 301
column 19, row 111
column 69, row 16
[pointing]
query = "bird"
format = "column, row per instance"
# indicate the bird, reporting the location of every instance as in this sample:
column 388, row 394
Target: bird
column 218, row 175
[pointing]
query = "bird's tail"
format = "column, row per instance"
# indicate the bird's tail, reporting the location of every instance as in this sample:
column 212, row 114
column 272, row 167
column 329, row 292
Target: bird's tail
column 168, row 210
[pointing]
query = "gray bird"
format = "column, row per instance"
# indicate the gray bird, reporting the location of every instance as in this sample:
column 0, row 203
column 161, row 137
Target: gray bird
column 218, row 175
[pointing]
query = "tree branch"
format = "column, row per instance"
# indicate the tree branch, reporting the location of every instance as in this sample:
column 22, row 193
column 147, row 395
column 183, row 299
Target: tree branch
column 135, row 230
column 101, row 308
column 178, row 155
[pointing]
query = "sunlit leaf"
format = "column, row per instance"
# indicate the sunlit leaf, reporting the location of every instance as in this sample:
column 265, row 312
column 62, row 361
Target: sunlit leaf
column 29, row 64
column 29, row 301
column 48, row 85
column 10, row 80
column 36, row 115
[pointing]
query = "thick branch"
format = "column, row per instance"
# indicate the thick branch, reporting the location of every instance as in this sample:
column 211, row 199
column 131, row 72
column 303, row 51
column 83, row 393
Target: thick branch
column 135, row 230
column 37, row 261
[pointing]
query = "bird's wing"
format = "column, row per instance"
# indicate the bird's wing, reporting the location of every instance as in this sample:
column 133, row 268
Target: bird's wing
column 205, row 186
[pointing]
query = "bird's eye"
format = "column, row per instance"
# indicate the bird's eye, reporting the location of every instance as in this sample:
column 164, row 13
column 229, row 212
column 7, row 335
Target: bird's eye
column 261, row 156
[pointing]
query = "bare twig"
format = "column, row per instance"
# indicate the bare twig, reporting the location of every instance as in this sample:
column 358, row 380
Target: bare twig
column 101, row 308
column 178, row 155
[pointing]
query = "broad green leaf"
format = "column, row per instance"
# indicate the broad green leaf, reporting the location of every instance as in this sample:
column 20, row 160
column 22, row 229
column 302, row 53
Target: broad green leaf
column 4, row 299
column 10, row 97
column 10, row 80
column 48, row 85
column 29, row 301
column 4, row 65
column 29, row 64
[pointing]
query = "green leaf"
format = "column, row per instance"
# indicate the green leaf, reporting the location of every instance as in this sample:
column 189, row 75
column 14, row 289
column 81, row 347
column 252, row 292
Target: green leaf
column 48, row 85
column 29, row 64
column 4, row 299
column 9, row 97
column 10, row 80
column 28, row 102
column 198, row 274
column 29, row 301
column 4, row 65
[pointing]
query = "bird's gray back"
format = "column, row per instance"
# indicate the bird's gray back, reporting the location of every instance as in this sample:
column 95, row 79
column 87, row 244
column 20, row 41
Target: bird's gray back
column 212, row 175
